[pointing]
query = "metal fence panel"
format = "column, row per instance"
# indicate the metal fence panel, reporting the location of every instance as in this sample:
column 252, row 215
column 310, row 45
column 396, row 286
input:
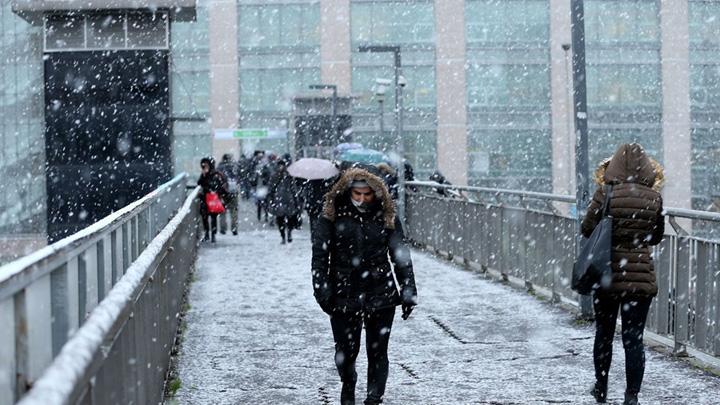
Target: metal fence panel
column 522, row 234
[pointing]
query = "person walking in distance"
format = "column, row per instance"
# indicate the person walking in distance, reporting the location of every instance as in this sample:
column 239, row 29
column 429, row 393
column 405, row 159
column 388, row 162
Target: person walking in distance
column 636, row 208
column 284, row 201
column 211, row 181
column 231, row 170
column 357, row 242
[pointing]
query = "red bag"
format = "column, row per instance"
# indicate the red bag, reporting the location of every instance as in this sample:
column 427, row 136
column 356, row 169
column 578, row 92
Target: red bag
column 214, row 205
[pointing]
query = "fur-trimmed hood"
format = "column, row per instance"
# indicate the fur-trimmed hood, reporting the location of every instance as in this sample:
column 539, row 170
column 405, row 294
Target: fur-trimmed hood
column 630, row 164
column 342, row 188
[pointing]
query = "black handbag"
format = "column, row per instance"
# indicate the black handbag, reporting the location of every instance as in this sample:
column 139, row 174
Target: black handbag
column 592, row 270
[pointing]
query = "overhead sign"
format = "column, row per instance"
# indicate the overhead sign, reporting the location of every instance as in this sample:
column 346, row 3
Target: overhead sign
column 253, row 133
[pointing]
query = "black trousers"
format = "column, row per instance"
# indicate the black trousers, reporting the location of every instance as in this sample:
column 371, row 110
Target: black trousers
column 286, row 223
column 208, row 219
column 633, row 315
column 346, row 330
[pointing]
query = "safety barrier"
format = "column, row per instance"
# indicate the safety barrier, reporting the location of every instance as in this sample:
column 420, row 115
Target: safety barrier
column 48, row 298
column 525, row 236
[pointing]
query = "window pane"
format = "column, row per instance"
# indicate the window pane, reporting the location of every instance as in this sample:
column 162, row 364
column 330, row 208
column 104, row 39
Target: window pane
column 106, row 31
column 65, row 31
column 611, row 21
column 507, row 21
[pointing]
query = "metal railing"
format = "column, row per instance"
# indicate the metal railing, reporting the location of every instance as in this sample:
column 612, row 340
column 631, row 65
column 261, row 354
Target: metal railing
column 529, row 237
column 46, row 297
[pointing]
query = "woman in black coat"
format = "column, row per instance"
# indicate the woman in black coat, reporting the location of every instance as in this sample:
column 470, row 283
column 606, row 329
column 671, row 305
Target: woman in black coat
column 356, row 244
column 284, row 201
column 210, row 181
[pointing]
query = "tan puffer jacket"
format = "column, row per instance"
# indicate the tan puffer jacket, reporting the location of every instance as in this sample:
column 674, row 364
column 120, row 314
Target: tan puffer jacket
column 638, row 223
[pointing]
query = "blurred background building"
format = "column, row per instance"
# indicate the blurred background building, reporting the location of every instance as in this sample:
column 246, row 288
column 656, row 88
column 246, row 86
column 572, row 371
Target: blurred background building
column 487, row 96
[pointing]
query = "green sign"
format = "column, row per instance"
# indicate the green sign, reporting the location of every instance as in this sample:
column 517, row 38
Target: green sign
column 250, row 133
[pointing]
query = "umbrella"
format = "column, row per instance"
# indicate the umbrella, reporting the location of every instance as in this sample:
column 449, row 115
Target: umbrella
column 313, row 169
column 370, row 156
column 344, row 147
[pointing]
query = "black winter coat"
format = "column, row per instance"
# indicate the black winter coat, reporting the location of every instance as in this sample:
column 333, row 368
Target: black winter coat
column 353, row 252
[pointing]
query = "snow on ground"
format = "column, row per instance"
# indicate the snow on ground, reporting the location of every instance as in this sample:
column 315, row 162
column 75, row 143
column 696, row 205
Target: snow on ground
column 256, row 336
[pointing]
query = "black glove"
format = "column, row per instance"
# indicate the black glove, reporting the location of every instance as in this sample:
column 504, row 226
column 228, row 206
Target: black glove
column 326, row 307
column 407, row 310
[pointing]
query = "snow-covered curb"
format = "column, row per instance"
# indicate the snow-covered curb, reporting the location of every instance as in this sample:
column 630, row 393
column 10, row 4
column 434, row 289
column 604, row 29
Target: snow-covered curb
column 62, row 380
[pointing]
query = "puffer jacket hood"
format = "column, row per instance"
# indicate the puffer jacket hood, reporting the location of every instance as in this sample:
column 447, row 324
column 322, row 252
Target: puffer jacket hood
column 630, row 164
column 342, row 188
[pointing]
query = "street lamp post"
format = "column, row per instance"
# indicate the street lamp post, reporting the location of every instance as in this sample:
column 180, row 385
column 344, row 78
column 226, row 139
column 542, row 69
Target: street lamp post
column 582, row 195
column 333, row 87
column 395, row 50
column 380, row 91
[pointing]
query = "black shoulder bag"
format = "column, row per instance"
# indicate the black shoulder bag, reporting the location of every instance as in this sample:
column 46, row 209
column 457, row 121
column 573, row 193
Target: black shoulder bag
column 592, row 270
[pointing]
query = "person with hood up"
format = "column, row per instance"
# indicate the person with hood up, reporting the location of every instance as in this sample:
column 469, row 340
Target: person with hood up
column 231, row 170
column 636, row 208
column 284, row 200
column 390, row 177
column 357, row 243
column 210, row 181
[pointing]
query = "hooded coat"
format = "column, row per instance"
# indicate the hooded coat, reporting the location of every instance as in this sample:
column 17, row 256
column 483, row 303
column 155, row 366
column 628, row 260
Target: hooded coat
column 636, row 208
column 213, row 181
column 353, row 251
column 284, row 195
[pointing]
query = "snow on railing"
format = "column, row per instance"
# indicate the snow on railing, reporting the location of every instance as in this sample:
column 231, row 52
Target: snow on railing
column 121, row 353
column 530, row 238
column 46, row 296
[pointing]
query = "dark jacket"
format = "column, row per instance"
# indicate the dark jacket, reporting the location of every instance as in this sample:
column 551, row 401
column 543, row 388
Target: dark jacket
column 284, row 195
column 353, row 251
column 313, row 192
column 213, row 181
column 638, row 223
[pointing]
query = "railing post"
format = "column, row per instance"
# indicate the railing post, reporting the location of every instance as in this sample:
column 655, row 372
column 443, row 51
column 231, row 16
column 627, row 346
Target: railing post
column 682, row 291
column 38, row 321
column 8, row 371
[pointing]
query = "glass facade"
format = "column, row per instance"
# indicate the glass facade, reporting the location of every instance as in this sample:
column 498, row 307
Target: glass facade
column 508, row 92
column 190, row 91
column 279, row 52
column 410, row 25
column 704, row 21
column 22, row 146
column 624, row 86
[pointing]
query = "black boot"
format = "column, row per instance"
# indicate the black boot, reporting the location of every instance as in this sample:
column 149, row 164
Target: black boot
column 212, row 238
column 631, row 398
column 347, row 394
column 206, row 237
column 372, row 400
column 599, row 392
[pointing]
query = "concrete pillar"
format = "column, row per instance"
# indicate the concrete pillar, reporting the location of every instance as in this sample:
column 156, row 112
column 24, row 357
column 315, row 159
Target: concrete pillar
column 451, row 90
column 563, row 125
column 677, row 143
column 335, row 50
column 224, row 78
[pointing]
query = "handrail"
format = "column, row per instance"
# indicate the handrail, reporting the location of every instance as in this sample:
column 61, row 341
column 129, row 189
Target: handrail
column 46, row 297
column 13, row 275
column 72, row 370
column 675, row 212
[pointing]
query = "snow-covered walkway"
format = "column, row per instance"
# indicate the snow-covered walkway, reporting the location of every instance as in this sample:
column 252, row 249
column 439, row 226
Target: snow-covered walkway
column 256, row 336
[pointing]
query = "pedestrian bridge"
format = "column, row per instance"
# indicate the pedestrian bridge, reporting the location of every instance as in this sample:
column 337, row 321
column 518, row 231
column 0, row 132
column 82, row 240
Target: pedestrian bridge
column 134, row 310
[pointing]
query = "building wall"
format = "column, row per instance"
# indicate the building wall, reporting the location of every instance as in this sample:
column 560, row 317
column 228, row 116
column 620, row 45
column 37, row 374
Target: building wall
column 190, row 91
column 279, row 53
column 704, row 49
column 22, row 146
column 508, row 92
column 410, row 25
